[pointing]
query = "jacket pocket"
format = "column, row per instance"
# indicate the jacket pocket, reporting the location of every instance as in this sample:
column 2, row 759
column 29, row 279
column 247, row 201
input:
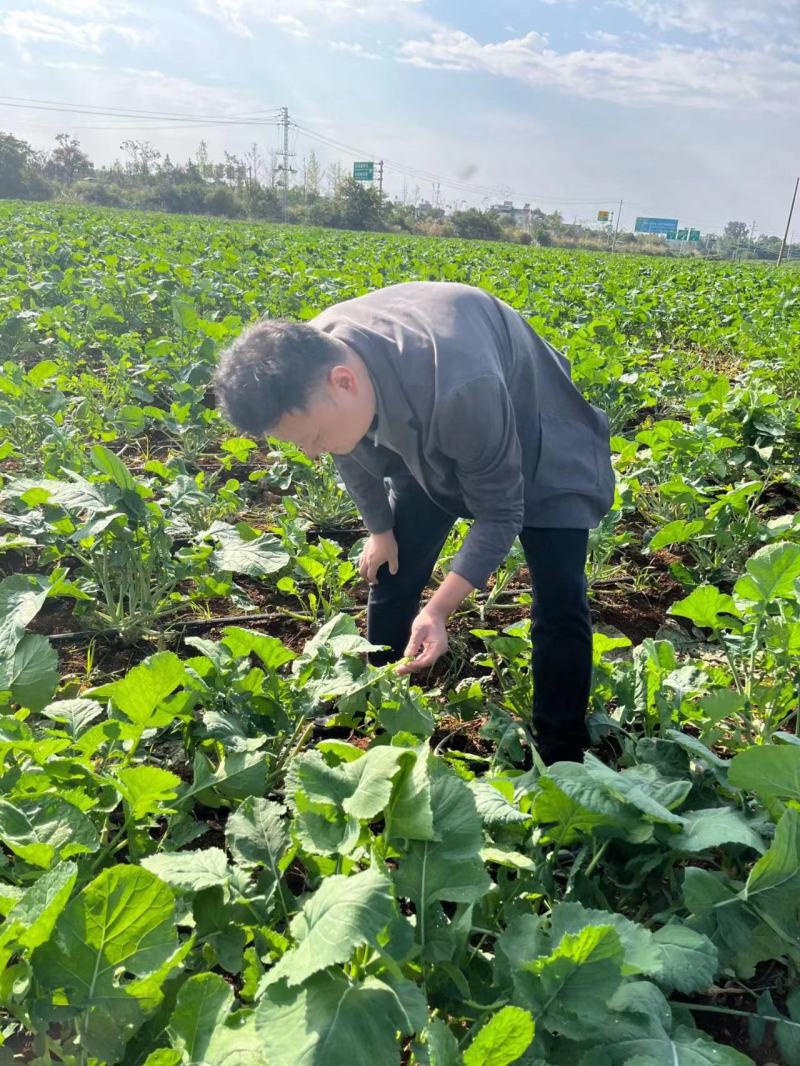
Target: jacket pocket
column 570, row 452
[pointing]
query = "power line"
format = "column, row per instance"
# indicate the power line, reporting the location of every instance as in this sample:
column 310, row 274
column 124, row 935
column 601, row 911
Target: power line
column 426, row 175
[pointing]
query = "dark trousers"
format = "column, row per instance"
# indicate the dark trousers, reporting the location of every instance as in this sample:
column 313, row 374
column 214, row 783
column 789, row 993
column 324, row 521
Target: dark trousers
column 561, row 624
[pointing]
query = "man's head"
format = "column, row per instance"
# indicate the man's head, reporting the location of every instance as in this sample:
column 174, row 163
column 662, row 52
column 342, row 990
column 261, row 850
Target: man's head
column 292, row 381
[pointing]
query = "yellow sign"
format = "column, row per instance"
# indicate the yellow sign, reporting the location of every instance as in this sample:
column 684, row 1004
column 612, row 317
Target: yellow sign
column 603, row 216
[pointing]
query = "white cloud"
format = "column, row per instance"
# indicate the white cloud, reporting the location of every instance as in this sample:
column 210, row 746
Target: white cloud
column 667, row 74
column 291, row 24
column 240, row 15
column 354, row 49
column 28, row 27
column 91, row 9
column 602, row 37
column 721, row 18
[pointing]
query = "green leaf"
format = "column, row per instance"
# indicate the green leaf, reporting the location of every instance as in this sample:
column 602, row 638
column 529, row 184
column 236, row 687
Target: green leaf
column 331, row 1021
column 688, row 959
column 107, row 463
column 21, row 599
column 237, row 1043
column 768, row 770
column 677, row 532
column 30, row 921
column 144, row 688
column 203, row 1003
column 257, row 834
column 503, row 1040
column 147, row 789
column 34, row 672
column 687, row 1047
column 240, row 774
column 441, row 1045
column 343, row 913
column 706, row 606
column 75, row 714
column 259, row 557
column 190, row 871
column 770, row 574
column 122, row 922
column 448, row 867
column 713, row 827
column 45, row 829
column 567, row 991
column 775, row 878
column 241, row 642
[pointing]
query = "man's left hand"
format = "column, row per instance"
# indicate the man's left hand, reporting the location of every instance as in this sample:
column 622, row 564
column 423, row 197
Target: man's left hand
column 427, row 643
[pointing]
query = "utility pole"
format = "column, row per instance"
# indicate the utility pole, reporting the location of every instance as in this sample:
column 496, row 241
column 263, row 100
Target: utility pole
column 284, row 167
column 616, row 228
column 380, row 180
column 788, row 223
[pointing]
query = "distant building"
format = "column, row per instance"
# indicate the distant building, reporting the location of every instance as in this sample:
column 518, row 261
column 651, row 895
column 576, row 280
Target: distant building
column 520, row 216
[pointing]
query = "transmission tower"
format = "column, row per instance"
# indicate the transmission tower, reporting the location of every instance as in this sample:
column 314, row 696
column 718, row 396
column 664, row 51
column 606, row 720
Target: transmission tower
column 283, row 168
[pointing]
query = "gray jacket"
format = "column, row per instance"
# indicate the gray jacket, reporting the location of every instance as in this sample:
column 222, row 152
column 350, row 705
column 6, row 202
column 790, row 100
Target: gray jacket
column 479, row 409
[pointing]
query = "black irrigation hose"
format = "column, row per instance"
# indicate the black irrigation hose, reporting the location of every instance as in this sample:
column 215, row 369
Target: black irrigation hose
column 174, row 631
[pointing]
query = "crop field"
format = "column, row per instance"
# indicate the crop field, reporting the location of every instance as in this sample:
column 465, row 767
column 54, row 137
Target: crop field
column 228, row 840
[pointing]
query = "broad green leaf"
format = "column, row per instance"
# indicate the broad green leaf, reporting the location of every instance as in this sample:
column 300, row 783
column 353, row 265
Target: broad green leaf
column 685, row 1047
column 45, row 829
column 449, row 867
column 34, row 672
column 503, row 1040
column 441, row 1046
column 75, row 714
column 121, row 922
column 775, row 878
column 106, row 462
column 567, row 991
column 269, row 650
column 706, row 606
column 163, row 1056
column 768, row 770
column 237, row 1043
column 713, row 827
column 372, row 779
column 257, row 834
column 343, row 913
column 770, row 574
column 677, row 532
column 144, row 688
column 203, row 1003
column 30, row 921
column 190, row 871
column 240, row 774
column 147, row 788
column 259, row 557
column 493, row 807
column 688, row 959
column 331, row 1021
column 21, row 599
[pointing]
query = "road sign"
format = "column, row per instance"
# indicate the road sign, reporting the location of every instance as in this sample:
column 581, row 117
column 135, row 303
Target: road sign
column 694, row 234
column 666, row 226
column 603, row 216
column 363, row 171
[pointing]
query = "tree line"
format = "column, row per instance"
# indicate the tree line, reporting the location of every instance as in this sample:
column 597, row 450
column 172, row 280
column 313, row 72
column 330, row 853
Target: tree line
column 250, row 187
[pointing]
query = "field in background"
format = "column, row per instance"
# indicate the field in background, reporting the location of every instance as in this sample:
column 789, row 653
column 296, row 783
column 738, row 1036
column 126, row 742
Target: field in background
column 196, row 869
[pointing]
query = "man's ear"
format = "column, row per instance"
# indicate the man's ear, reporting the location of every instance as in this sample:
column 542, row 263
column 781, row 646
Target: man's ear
column 342, row 377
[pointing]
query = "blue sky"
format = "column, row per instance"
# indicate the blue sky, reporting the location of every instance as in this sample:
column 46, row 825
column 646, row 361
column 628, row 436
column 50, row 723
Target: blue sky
column 682, row 108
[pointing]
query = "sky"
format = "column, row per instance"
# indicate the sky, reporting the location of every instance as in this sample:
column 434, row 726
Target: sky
column 686, row 109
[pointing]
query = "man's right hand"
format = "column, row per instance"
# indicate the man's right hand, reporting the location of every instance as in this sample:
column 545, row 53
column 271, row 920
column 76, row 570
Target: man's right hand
column 380, row 548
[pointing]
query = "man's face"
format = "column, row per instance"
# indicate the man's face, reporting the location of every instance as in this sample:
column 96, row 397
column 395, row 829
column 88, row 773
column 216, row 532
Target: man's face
column 336, row 418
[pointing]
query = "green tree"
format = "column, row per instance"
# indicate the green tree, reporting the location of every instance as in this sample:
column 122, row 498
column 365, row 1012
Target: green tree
column 357, row 206
column 736, row 231
column 477, row 225
column 67, row 163
column 18, row 178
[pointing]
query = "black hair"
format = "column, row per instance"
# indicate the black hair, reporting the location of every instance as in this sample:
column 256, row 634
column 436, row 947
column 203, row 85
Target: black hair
column 272, row 368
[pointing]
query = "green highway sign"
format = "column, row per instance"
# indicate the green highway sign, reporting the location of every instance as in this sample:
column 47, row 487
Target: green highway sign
column 363, row 171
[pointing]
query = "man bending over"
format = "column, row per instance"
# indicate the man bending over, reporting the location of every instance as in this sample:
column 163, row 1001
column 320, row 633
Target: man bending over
column 445, row 395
